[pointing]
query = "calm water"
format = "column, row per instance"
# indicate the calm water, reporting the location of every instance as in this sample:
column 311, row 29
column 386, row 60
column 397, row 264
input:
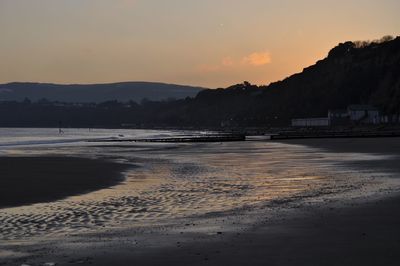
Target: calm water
column 36, row 136
column 171, row 181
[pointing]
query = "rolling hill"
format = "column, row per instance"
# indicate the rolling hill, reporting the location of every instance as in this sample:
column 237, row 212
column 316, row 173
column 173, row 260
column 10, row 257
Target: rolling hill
column 76, row 93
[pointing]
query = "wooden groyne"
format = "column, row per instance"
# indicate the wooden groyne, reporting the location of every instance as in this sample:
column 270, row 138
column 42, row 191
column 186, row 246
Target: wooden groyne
column 322, row 135
column 186, row 139
column 284, row 135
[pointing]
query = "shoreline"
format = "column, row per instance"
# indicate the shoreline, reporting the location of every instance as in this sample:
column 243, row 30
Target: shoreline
column 63, row 177
column 356, row 232
column 363, row 231
column 351, row 145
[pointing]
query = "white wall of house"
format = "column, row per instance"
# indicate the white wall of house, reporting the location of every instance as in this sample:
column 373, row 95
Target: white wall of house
column 363, row 114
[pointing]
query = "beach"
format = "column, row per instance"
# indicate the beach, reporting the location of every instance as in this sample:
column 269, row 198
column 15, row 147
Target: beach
column 43, row 179
column 360, row 234
column 249, row 203
column 204, row 133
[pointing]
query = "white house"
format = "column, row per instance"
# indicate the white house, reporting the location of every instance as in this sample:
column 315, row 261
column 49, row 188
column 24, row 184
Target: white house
column 359, row 114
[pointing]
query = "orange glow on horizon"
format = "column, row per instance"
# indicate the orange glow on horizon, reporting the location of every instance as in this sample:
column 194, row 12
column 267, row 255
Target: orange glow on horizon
column 210, row 43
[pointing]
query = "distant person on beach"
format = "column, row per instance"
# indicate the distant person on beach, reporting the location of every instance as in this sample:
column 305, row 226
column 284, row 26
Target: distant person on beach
column 60, row 131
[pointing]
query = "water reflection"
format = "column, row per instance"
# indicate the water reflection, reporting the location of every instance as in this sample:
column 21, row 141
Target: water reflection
column 172, row 181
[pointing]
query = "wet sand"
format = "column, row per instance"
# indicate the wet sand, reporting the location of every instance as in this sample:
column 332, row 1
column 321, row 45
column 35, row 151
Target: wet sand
column 382, row 146
column 352, row 145
column 28, row 180
column 362, row 234
column 359, row 232
column 363, row 231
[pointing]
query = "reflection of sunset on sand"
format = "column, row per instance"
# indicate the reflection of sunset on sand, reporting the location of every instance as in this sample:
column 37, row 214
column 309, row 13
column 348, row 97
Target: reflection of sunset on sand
column 195, row 190
column 171, row 181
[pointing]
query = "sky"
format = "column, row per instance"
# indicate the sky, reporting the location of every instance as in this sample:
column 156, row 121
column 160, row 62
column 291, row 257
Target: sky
column 209, row 43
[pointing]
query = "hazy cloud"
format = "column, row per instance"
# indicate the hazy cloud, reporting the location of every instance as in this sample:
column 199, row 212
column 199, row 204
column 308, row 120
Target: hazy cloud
column 256, row 59
column 228, row 61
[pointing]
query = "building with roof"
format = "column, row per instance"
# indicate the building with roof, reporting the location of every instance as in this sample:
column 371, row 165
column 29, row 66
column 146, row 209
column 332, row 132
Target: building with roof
column 364, row 114
column 354, row 114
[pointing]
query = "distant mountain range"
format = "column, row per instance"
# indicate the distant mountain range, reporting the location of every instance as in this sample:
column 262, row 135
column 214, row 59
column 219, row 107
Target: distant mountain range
column 96, row 93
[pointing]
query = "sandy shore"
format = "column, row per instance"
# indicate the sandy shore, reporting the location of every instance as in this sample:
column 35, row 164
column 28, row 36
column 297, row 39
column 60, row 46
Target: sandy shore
column 362, row 234
column 363, row 231
column 336, row 233
column 351, row 145
column 27, row 180
column 389, row 147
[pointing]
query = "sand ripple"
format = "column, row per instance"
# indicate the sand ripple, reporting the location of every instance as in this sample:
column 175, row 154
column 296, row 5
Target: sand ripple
column 187, row 180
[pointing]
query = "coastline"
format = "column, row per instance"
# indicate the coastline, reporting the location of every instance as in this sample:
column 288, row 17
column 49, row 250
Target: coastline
column 351, row 145
column 388, row 147
column 360, row 232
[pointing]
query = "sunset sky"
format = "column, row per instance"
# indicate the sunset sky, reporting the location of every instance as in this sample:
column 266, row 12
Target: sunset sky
column 211, row 43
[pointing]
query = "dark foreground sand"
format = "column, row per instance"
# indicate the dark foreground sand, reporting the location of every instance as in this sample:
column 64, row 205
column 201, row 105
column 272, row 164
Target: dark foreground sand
column 359, row 145
column 382, row 146
column 368, row 234
column 27, row 180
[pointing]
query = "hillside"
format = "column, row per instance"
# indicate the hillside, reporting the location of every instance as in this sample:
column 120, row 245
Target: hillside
column 76, row 93
column 352, row 73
